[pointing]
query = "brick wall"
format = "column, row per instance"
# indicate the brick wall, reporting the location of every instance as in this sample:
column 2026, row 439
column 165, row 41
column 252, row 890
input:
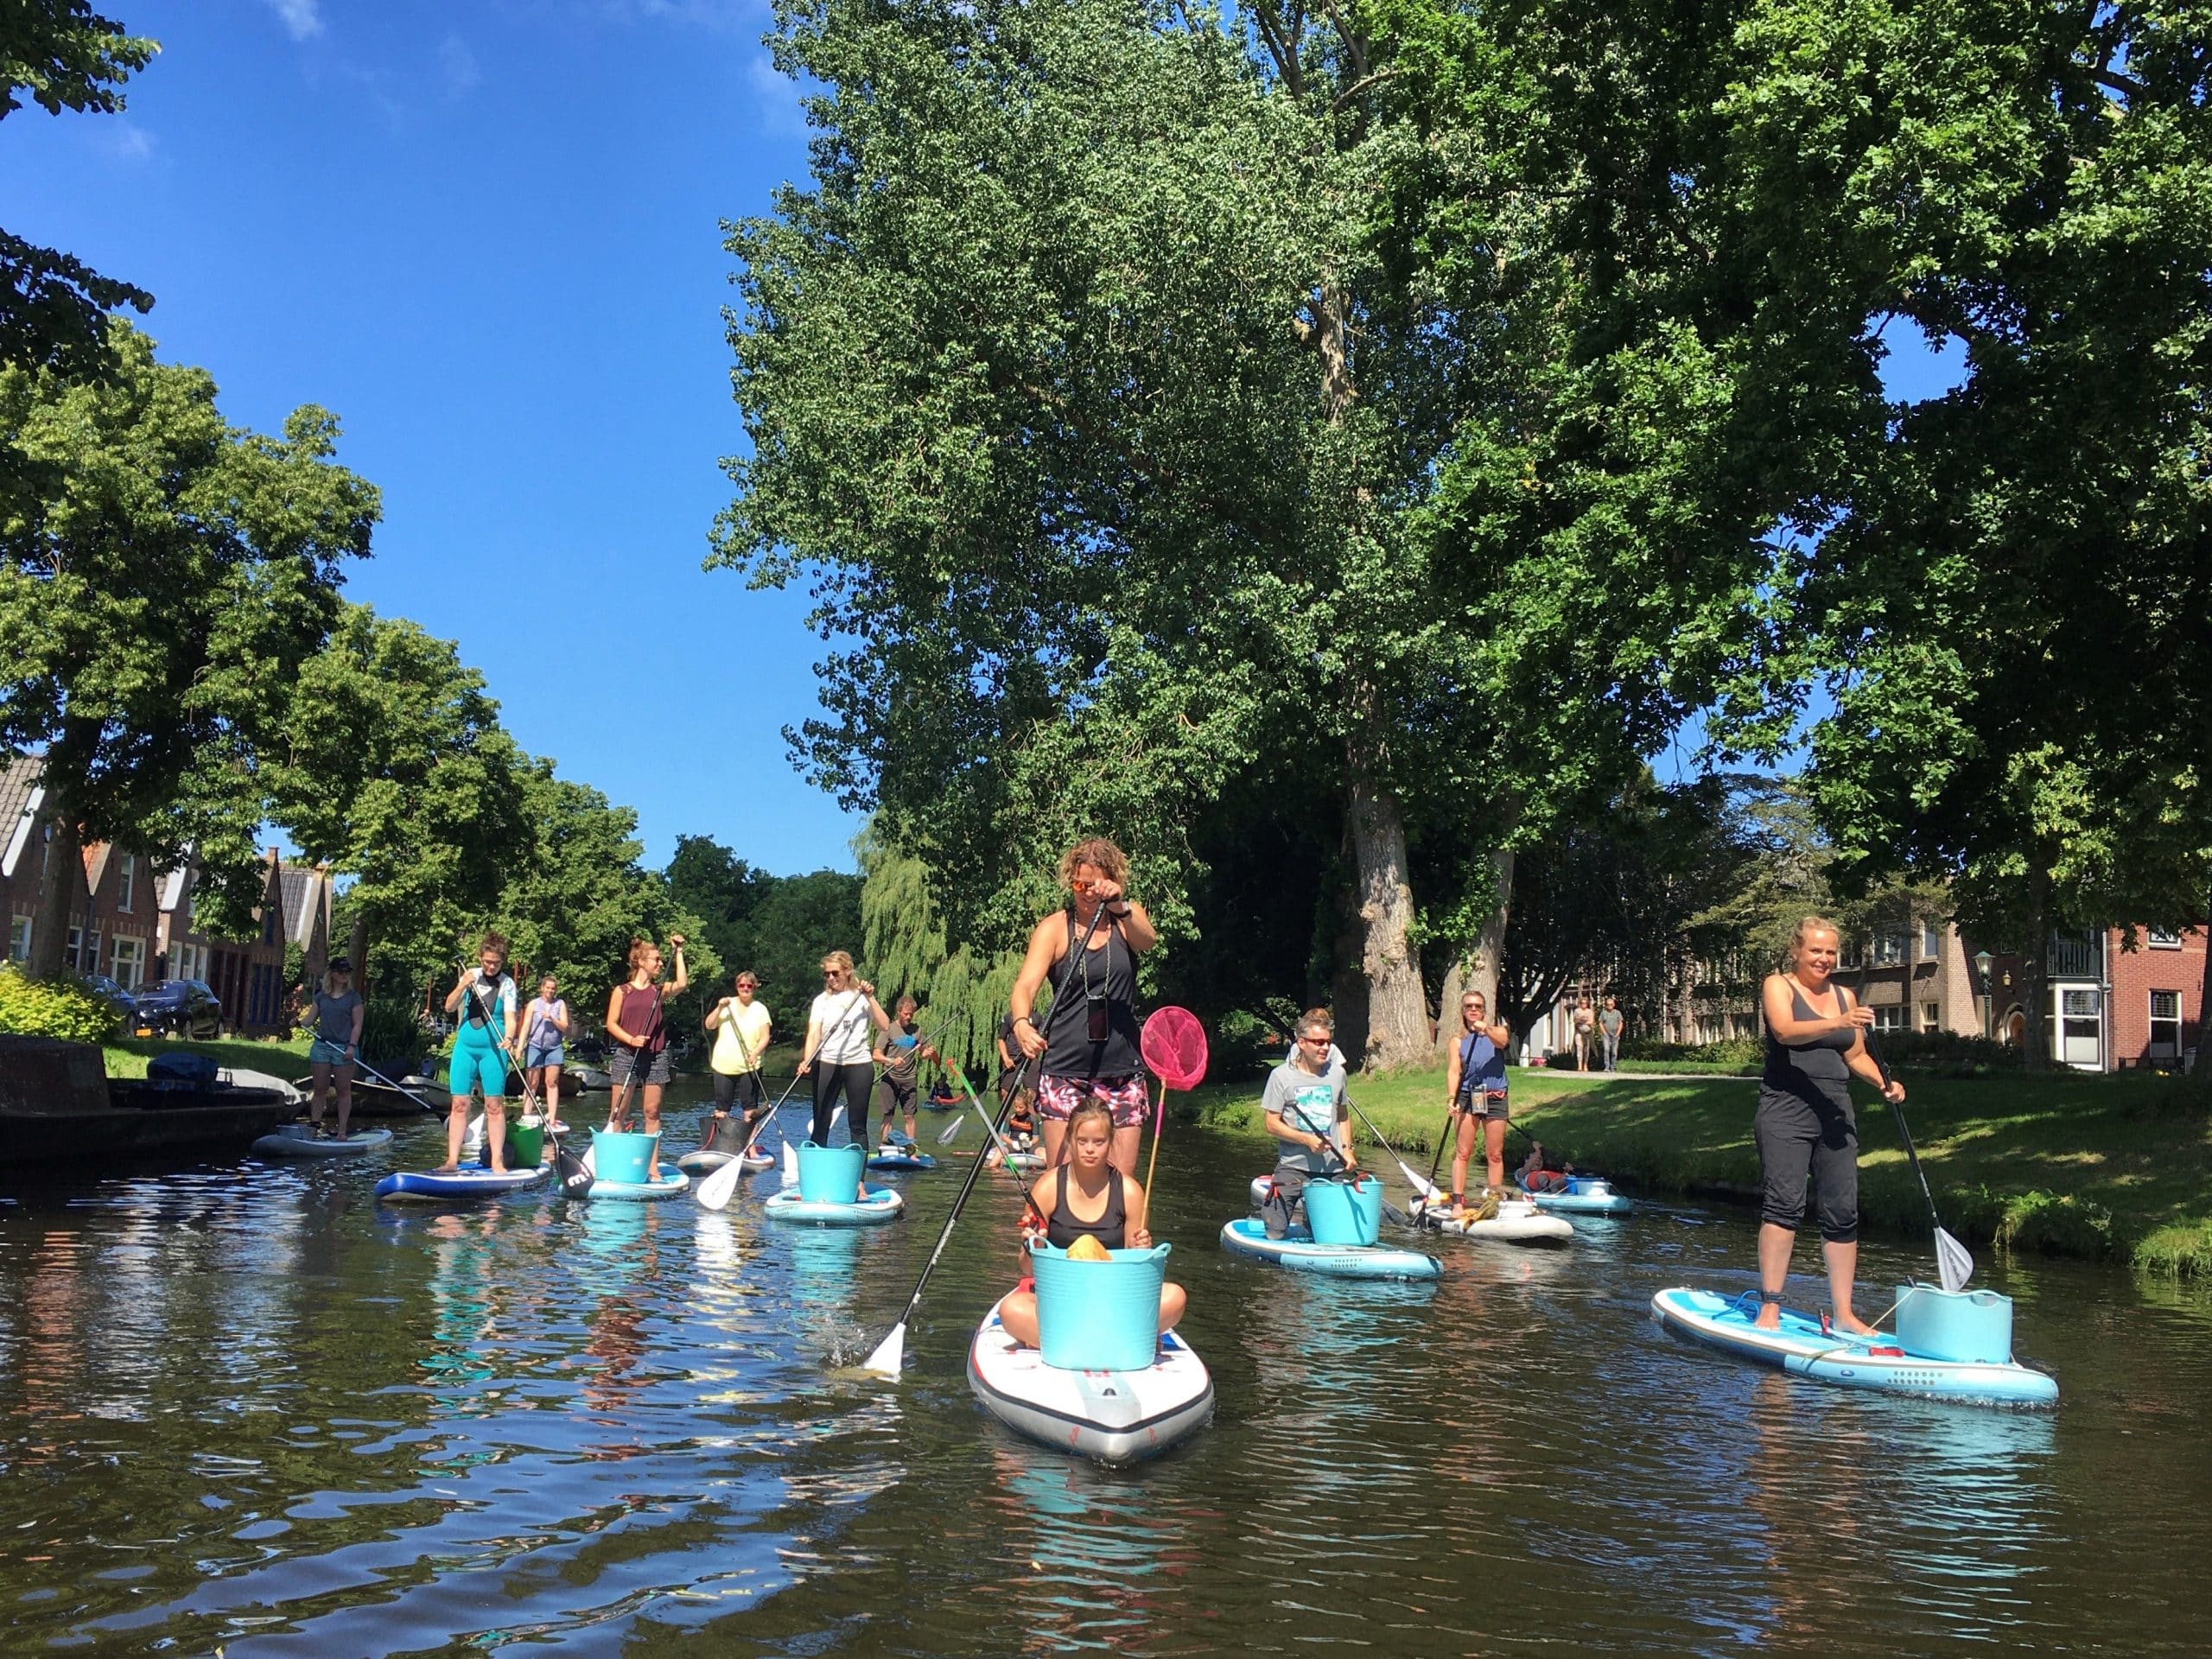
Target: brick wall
column 2153, row 968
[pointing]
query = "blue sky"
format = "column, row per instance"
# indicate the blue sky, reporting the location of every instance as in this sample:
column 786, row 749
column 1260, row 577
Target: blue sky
column 486, row 236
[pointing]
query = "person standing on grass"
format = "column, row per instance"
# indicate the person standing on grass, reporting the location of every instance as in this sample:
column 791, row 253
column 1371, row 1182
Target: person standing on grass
column 336, row 1013
column 544, row 1029
column 1584, row 1021
column 486, row 1019
column 741, row 1028
column 1609, row 1029
column 1475, row 1086
column 1805, row 1129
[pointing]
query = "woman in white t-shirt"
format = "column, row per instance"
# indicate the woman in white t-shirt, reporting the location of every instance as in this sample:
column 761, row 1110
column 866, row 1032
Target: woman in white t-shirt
column 741, row 1028
column 838, row 1045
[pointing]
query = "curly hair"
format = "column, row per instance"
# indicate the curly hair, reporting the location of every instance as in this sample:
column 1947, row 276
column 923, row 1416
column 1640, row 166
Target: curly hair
column 493, row 941
column 1100, row 854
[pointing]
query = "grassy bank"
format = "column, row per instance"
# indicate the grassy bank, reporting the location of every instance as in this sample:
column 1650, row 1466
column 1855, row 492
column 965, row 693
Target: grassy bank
column 2112, row 1168
column 287, row 1058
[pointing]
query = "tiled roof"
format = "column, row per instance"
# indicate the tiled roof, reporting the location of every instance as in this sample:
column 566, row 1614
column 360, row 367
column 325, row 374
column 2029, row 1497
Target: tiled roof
column 19, row 798
column 305, row 893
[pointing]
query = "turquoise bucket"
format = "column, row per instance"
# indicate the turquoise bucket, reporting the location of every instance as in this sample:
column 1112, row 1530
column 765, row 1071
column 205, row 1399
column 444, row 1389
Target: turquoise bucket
column 622, row 1156
column 831, row 1174
column 1099, row 1316
column 1970, row 1326
column 1339, row 1212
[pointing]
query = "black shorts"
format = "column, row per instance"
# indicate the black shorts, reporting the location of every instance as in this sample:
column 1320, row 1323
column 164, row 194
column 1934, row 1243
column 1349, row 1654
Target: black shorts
column 1808, row 1143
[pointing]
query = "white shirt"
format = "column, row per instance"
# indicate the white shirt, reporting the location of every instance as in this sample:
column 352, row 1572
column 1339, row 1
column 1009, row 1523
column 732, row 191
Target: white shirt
column 844, row 1034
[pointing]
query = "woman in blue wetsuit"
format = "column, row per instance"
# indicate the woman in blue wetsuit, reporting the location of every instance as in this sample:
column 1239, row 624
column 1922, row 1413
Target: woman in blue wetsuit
column 487, row 1016
column 1805, row 1129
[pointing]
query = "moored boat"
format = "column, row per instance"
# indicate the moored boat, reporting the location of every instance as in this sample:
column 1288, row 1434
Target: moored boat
column 1113, row 1416
column 1584, row 1195
column 57, row 1103
column 880, row 1204
column 1248, row 1236
column 1880, row 1362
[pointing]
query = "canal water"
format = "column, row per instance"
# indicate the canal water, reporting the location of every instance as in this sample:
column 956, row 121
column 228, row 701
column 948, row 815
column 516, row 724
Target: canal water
column 247, row 1409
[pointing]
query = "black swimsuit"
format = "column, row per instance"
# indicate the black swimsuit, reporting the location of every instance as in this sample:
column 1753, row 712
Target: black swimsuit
column 1062, row 1228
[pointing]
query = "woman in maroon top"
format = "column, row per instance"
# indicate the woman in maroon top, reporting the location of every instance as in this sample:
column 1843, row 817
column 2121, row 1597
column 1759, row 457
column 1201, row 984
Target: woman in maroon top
column 637, row 1025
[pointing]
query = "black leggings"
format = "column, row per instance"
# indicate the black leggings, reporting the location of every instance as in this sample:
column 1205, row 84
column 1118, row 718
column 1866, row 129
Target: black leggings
column 743, row 1087
column 855, row 1078
column 1800, row 1137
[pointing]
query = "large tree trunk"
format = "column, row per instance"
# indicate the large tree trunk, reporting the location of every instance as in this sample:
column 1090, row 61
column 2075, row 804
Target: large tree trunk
column 1476, row 969
column 1397, row 1010
column 61, row 884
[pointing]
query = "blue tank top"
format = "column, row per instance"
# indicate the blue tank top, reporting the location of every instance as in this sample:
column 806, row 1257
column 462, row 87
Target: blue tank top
column 1482, row 1066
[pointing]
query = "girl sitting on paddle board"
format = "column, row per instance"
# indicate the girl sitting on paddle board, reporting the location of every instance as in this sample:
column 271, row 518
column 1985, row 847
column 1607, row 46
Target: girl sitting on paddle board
column 1086, row 1197
column 1095, row 1052
column 488, row 1017
column 1542, row 1172
column 837, row 1047
column 740, row 1026
column 1804, row 1126
column 545, row 1027
column 1306, row 1110
column 637, row 1023
column 337, row 1012
column 1474, row 1083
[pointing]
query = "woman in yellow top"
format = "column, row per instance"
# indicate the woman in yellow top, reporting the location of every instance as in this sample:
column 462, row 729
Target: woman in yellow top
column 740, row 1029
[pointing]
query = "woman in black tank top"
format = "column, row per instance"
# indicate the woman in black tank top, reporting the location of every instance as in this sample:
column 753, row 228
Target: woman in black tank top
column 1805, row 1129
column 1086, row 1197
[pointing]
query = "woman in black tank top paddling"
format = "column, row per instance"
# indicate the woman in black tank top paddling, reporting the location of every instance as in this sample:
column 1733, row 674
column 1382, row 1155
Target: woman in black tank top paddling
column 1086, row 1197
column 1805, row 1129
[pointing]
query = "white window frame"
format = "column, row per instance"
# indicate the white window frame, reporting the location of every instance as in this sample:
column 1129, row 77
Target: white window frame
column 1890, row 1016
column 2159, row 939
column 2154, row 1049
column 136, row 959
column 1892, row 950
column 19, row 939
column 1931, row 940
column 1931, row 1016
column 126, row 881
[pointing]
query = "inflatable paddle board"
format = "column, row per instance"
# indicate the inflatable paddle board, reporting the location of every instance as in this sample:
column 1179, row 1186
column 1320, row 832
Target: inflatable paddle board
column 705, row 1161
column 1248, row 1238
column 469, row 1181
column 299, row 1141
column 1113, row 1416
column 1517, row 1222
column 901, row 1159
column 880, row 1204
column 1585, row 1195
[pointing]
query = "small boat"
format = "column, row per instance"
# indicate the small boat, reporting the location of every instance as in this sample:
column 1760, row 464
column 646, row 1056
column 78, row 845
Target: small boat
column 585, row 1080
column 705, row 1160
column 374, row 1099
column 470, row 1181
column 57, row 1103
column 1584, row 1195
column 1517, row 1222
column 1803, row 1349
column 1248, row 1236
column 300, row 1141
column 881, row 1204
column 899, row 1158
column 676, row 1181
column 1113, row 1416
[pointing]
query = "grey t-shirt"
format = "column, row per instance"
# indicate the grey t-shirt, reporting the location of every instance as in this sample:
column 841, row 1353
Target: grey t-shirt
column 333, row 1016
column 1611, row 1019
column 1310, row 1104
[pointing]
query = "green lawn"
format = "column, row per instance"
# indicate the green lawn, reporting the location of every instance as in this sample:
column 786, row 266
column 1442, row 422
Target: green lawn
column 2094, row 1166
column 287, row 1058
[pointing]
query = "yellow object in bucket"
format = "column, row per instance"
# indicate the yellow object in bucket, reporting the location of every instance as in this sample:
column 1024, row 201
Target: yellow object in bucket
column 1087, row 1249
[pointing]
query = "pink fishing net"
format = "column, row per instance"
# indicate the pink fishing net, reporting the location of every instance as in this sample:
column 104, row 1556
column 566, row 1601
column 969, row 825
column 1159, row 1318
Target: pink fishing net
column 1175, row 1047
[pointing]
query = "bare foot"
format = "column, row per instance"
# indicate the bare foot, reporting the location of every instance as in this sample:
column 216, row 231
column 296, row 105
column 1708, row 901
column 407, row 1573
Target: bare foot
column 446, row 1169
column 498, row 1170
column 1851, row 1325
column 1769, row 1316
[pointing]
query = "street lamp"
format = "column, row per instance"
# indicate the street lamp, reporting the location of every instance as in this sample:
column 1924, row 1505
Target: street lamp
column 1982, row 960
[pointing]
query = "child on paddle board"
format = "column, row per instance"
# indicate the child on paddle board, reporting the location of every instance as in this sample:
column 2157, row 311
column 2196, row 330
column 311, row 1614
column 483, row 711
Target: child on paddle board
column 1095, row 1049
column 901, row 1052
column 544, row 1030
column 487, row 1019
column 1474, row 1085
column 1306, row 1110
column 336, row 1013
column 637, row 1023
column 741, row 1028
column 1542, row 1172
column 1086, row 1197
column 1804, row 1129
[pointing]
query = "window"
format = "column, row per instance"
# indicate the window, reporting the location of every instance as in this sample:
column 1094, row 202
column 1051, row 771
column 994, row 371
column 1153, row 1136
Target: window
column 1847, row 956
column 1891, row 1017
column 1890, row 949
column 1931, row 1018
column 126, row 881
column 129, row 963
column 88, row 959
column 73, row 953
column 1931, row 940
column 19, row 939
column 2162, row 939
column 2166, row 1025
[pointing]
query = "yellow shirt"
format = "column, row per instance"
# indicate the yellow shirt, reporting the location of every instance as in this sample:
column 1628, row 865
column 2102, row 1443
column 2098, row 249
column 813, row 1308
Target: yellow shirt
column 741, row 1024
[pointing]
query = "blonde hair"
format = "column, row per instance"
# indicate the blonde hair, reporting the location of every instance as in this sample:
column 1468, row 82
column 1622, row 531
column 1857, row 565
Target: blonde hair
column 841, row 960
column 1806, row 926
column 1317, row 1017
column 1100, row 854
column 637, row 949
column 1091, row 1106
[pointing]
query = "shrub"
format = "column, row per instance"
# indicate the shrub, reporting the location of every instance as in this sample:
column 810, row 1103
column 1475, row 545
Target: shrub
column 1734, row 1052
column 66, row 1008
column 391, row 1030
column 1946, row 1053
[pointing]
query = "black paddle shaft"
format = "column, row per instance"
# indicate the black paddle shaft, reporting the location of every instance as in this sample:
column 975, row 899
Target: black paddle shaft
column 1904, row 1134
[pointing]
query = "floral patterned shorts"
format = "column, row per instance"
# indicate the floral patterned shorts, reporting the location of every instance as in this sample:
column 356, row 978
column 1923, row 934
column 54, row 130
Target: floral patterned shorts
column 1057, row 1098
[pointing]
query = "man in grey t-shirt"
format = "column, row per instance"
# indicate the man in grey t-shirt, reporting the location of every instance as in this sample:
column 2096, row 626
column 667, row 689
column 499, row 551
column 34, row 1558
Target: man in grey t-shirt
column 1608, row 1028
column 1306, row 1112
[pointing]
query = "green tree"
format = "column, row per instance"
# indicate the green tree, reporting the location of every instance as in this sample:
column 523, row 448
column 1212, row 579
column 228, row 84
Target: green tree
column 163, row 577
column 60, row 55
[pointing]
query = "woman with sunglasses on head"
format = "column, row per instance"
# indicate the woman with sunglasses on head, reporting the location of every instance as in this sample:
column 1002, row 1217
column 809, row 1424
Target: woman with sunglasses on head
column 1475, row 1086
column 1094, row 1051
column 838, row 1043
column 741, row 1028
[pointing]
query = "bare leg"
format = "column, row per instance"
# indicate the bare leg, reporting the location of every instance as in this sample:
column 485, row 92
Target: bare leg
column 315, row 1092
column 1018, row 1314
column 495, row 1132
column 1775, row 1244
column 456, row 1132
column 1494, row 1152
column 1462, row 1150
column 1123, row 1153
column 1843, row 1268
column 651, row 1094
column 553, row 1096
column 345, row 1101
column 1056, row 1130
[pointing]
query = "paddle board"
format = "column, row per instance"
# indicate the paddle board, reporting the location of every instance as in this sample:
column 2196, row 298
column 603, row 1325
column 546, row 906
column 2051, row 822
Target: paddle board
column 469, row 1181
column 299, row 1141
column 1585, row 1195
column 1113, row 1416
column 1517, row 1222
column 667, row 1187
column 902, row 1160
column 1248, row 1236
column 704, row 1161
column 881, row 1204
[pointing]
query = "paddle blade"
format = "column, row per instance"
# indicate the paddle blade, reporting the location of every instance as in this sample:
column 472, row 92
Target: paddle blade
column 576, row 1179
column 1419, row 1183
column 1174, row 1045
column 473, row 1140
column 890, row 1354
column 952, row 1129
column 717, row 1189
column 1953, row 1265
column 790, row 1165
column 591, row 1161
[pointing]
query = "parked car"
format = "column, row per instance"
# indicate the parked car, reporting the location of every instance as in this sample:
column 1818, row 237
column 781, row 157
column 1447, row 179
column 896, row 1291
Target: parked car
column 179, row 1008
column 110, row 993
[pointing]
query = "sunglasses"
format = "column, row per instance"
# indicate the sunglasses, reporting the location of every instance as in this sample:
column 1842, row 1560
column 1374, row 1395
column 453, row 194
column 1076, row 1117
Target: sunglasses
column 1317, row 1041
column 747, row 985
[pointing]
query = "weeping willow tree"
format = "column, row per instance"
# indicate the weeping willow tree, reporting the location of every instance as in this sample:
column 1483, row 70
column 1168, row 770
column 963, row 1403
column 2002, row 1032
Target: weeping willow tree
column 963, row 990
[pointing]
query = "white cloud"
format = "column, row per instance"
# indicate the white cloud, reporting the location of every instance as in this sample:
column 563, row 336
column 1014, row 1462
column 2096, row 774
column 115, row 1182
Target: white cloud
column 303, row 19
column 777, row 97
column 122, row 140
column 458, row 63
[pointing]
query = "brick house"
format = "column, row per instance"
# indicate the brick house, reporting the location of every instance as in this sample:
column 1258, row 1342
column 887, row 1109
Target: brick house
column 247, row 974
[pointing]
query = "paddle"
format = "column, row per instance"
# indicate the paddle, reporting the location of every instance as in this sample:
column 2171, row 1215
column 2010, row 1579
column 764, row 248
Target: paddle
column 1424, row 1190
column 982, row 1113
column 399, row 1089
column 1173, row 1044
column 1953, row 1262
column 890, row 1356
column 577, row 1174
column 716, row 1190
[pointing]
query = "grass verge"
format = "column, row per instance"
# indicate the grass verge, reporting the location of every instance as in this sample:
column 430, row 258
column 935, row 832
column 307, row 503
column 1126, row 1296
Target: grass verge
column 2099, row 1167
column 287, row 1058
